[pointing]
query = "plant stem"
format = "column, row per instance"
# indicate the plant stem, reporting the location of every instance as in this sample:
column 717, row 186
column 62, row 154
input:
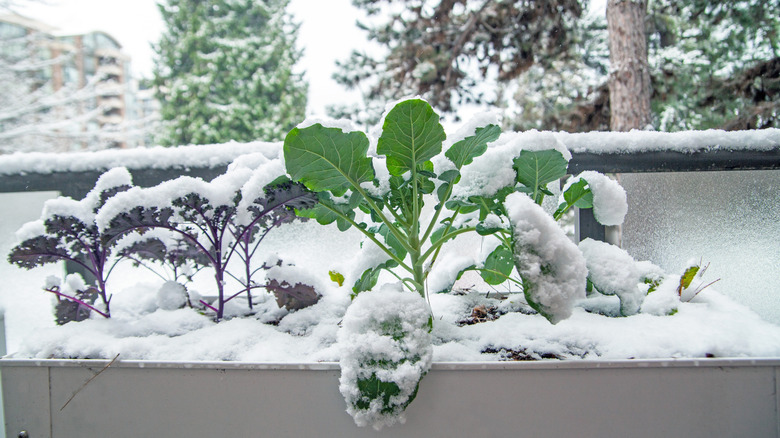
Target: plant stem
column 74, row 299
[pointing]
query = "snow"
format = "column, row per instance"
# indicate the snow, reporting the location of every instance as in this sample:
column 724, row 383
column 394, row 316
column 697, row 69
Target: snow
column 221, row 154
column 613, row 271
column 609, row 199
column 552, row 268
column 553, row 318
column 384, row 336
column 155, row 158
column 493, row 170
column 687, row 141
column 171, row 296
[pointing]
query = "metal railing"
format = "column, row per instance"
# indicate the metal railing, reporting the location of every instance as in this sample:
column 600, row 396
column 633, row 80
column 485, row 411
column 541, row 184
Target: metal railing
column 710, row 154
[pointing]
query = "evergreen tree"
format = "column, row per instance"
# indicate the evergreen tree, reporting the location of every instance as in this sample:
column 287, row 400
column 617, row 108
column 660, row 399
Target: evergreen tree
column 712, row 65
column 447, row 50
column 225, row 71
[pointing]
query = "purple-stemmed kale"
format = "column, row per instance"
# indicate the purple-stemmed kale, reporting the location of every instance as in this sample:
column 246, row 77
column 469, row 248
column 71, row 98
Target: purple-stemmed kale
column 179, row 257
column 67, row 232
column 215, row 217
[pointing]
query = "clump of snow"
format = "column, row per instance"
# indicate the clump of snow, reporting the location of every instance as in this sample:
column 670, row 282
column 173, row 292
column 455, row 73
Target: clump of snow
column 254, row 188
column 220, row 191
column 551, row 266
column 614, row 272
column 664, row 300
column 30, row 229
column 85, row 209
column 385, row 351
column 609, row 198
column 445, row 271
column 344, row 124
column 171, row 296
column 493, row 170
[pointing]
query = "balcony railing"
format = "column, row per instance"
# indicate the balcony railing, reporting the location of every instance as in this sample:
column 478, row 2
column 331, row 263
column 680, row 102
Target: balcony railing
column 618, row 153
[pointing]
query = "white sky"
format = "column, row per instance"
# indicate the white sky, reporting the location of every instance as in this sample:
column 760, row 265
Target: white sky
column 328, row 33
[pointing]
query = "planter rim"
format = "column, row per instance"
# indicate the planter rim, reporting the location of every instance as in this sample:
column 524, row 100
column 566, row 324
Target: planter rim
column 443, row 366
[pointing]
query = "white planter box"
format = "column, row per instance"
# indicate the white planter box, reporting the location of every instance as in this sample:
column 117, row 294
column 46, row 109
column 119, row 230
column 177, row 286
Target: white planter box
column 636, row 398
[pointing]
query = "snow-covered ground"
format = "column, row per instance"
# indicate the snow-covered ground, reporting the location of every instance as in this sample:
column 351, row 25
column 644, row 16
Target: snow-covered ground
column 477, row 324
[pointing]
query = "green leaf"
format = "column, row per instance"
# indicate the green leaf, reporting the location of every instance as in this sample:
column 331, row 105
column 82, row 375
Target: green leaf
column 411, row 135
column 687, row 278
column 370, row 276
column 484, row 230
column 325, row 212
column 327, row 158
column 336, row 277
column 464, row 151
column 535, row 169
column 395, row 245
column 577, row 195
column 450, row 176
column 465, row 207
column 498, row 266
column 442, row 191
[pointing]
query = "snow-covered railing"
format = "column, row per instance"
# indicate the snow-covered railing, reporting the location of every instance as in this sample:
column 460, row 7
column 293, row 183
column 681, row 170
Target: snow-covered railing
column 74, row 174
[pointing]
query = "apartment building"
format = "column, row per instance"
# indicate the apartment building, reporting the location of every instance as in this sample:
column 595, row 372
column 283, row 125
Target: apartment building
column 90, row 71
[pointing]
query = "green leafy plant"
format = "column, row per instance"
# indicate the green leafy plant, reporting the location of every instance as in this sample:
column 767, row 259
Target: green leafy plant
column 212, row 230
column 68, row 232
column 335, row 164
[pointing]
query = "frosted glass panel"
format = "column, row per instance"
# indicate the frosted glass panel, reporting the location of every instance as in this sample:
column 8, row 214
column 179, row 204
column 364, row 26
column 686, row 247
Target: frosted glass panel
column 729, row 219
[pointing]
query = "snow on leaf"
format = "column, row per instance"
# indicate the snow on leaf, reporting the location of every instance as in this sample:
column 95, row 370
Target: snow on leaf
column 464, row 151
column 612, row 271
column 550, row 265
column 386, row 351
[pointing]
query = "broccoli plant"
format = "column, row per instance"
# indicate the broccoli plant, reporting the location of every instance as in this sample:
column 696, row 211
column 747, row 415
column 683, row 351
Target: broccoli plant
column 385, row 196
column 68, row 232
column 226, row 217
column 335, row 164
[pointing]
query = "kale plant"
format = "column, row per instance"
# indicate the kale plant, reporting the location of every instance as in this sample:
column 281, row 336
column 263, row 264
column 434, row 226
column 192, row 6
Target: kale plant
column 68, row 232
column 226, row 217
column 179, row 258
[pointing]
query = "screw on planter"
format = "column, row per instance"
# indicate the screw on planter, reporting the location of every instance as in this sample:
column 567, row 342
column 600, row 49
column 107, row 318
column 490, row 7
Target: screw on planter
column 24, row 434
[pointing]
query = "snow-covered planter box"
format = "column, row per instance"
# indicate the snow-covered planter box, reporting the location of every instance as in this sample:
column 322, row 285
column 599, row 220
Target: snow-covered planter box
column 642, row 398
column 419, row 251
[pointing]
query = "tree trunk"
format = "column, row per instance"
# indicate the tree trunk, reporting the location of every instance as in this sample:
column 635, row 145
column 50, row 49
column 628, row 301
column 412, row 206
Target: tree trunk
column 629, row 78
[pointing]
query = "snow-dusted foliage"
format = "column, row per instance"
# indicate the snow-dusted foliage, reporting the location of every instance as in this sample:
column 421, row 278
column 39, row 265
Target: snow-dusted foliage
column 612, row 271
column 196, row 223
column 68, row 231
column 385, row 351
column 551, row 267
column 226, row 217
column 609, row 199
column 239, row 81
column 426, row 215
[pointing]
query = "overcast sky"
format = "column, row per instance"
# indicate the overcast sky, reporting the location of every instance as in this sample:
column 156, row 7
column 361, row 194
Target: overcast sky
column 327, row 33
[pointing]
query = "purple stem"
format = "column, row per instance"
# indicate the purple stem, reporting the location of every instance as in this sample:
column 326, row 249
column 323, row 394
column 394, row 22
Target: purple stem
column 87, row 305
column 209, row 306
